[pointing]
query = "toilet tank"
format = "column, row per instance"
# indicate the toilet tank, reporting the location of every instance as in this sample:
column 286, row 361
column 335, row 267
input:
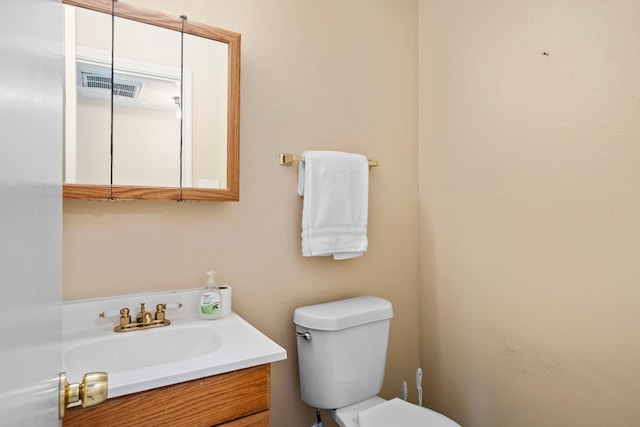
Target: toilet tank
column 343, row 362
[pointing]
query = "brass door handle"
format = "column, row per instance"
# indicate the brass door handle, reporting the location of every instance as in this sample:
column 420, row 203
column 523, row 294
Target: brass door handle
column 92, row 391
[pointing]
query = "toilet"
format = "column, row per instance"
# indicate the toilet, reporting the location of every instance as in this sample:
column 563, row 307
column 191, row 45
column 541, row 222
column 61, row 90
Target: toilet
column 342, row 352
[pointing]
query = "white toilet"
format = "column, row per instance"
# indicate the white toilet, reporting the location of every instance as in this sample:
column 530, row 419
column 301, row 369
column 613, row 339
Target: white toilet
column 342, row 351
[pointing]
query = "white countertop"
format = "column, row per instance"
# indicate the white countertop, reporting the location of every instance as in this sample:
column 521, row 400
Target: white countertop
column 238, row 344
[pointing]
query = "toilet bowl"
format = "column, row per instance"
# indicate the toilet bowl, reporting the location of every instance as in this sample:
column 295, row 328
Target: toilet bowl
column 342, row 349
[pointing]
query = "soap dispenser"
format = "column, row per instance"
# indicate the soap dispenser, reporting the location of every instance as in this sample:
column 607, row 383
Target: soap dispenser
column 210, row 299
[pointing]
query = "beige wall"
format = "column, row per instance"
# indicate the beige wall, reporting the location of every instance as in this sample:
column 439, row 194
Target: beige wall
column 315, row 75
column 530, row 207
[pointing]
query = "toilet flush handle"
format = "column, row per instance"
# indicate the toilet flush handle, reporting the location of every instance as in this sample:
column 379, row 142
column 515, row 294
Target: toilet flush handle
column 305, row 335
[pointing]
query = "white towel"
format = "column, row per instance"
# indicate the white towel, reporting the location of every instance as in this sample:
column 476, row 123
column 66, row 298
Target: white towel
column 335, row 187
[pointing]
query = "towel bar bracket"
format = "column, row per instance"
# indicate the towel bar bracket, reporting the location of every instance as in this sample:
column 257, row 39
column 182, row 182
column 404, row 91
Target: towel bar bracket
column 287, row 159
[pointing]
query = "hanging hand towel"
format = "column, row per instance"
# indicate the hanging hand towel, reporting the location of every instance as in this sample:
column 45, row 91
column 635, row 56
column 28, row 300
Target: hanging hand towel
column 335, row 187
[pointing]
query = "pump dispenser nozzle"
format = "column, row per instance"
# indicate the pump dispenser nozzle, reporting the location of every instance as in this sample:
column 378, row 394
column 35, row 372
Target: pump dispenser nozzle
column 211, row 283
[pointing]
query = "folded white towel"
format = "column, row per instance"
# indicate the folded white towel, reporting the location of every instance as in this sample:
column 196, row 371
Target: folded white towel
column 335, row 187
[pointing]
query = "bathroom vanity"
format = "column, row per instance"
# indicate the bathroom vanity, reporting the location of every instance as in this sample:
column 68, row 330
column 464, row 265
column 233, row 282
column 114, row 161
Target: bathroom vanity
column 191, row 372
column 235, row 399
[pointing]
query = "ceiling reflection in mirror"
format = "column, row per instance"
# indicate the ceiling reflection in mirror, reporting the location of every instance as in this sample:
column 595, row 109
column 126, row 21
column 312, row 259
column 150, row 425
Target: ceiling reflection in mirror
column 162, row 136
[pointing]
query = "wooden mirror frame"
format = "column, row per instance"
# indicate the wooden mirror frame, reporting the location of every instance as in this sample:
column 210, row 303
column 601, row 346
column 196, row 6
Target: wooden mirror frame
column 232, row 39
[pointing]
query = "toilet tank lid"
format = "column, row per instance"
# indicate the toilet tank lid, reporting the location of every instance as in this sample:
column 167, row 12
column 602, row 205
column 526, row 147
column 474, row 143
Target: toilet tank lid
column 342, row 314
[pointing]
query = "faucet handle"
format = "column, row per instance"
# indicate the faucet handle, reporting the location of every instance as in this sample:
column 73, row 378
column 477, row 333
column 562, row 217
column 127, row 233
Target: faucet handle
column 160, row 308
column 112, row 312
column 125, row 318
column 172, row 305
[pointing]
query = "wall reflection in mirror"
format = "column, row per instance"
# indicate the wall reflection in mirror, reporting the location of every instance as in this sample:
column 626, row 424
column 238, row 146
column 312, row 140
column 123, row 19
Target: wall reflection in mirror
column 163, row 137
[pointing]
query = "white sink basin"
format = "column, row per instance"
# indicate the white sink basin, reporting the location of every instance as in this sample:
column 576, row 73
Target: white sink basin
column 126, row 351
column 140, row 360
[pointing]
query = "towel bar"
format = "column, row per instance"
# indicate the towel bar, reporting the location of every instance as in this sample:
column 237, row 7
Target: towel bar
column 286, row 159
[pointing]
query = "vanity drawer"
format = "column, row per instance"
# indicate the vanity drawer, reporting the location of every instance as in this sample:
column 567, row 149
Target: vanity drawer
column 223, row 400
column 260, row 419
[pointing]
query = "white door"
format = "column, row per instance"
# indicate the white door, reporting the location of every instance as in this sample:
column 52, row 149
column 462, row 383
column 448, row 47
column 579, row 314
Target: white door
column 30, row 211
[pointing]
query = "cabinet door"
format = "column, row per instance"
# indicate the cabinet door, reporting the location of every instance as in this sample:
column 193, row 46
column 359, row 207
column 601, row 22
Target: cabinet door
column 203, row 402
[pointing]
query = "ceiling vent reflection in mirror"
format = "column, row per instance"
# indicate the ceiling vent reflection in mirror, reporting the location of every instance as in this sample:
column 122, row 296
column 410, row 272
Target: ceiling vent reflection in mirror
column 99, row 86
column 137, row 83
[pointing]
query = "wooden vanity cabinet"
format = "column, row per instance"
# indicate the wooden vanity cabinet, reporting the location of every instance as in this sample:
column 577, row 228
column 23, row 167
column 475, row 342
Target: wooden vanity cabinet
column 235, row 399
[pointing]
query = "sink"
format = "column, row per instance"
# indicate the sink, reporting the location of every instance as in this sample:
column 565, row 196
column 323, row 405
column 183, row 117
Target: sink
column 136, row 350
column 187, row 349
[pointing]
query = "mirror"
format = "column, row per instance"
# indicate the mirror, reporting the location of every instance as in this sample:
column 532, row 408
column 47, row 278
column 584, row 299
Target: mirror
column 162, row 139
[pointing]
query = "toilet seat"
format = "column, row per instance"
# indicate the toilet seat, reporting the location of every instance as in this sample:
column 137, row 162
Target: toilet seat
column 348, row 415
column 397, row 412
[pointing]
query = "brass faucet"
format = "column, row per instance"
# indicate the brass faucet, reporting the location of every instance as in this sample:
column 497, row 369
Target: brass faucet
column 144, row 319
